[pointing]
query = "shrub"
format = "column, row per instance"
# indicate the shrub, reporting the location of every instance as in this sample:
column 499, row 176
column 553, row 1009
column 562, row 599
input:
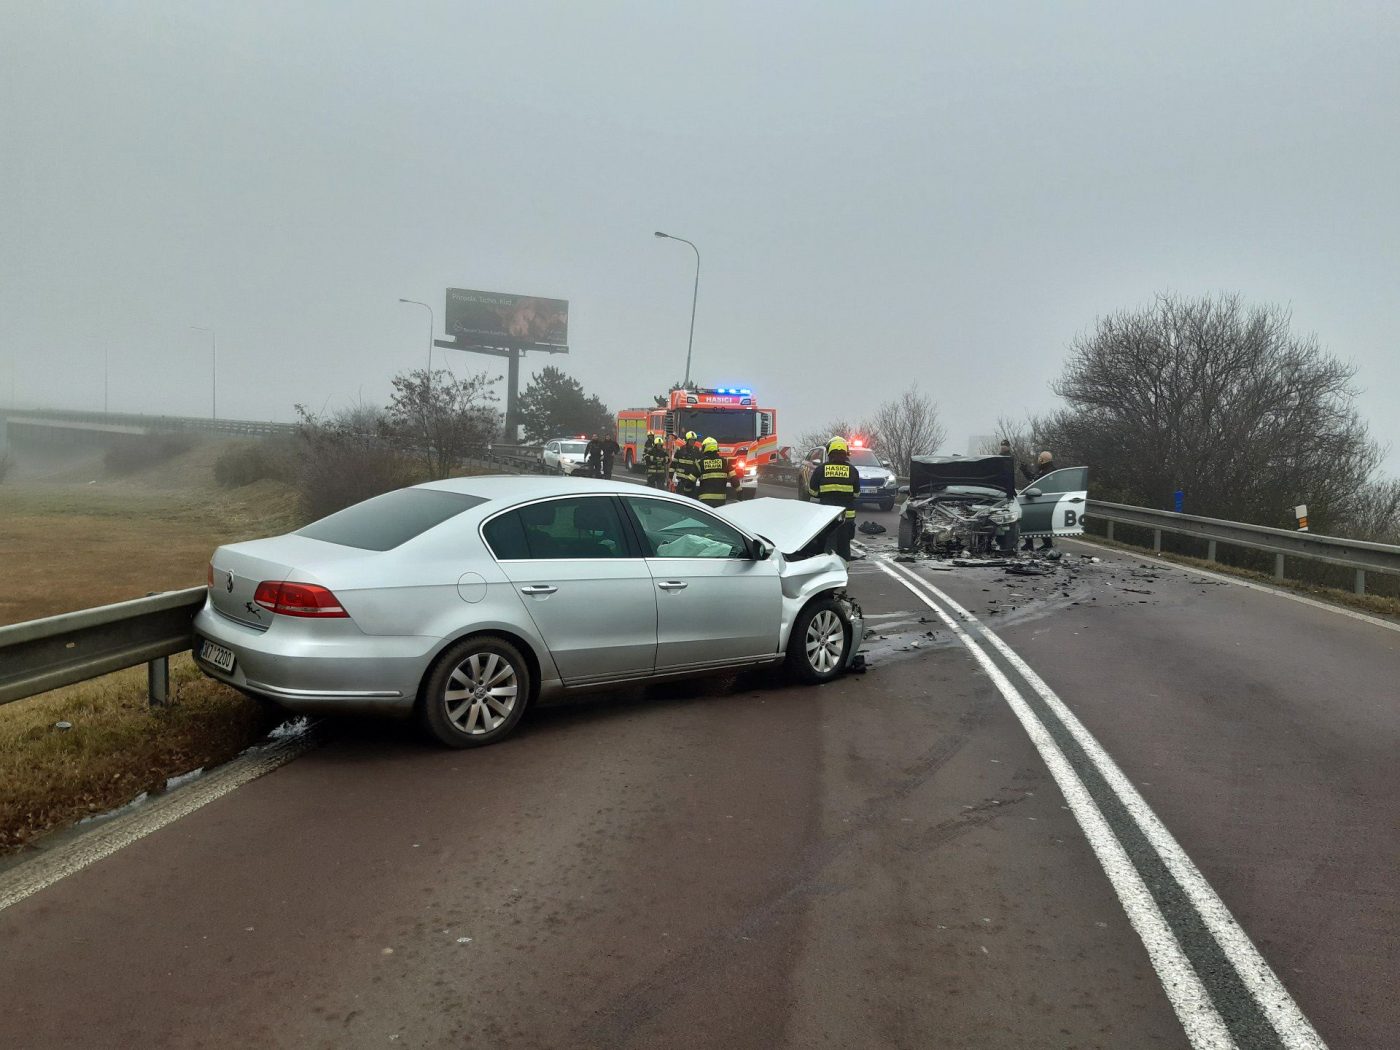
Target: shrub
column 139, row 451
column 347, row 458
column 249, row 461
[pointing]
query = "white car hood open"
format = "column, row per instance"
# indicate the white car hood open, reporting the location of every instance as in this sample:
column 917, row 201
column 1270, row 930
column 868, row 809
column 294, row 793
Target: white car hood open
column 791, row 525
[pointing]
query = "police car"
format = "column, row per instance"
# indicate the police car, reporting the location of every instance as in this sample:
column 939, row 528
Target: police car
column 877, row 479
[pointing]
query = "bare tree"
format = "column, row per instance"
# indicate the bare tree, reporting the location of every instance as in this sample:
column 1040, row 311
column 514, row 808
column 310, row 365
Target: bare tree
column 908, row 426
column 812, row 438
column 1216, row 398
column 440, row 419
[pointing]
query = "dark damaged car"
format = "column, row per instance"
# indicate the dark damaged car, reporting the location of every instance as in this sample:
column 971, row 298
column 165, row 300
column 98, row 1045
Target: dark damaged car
column 961, row 504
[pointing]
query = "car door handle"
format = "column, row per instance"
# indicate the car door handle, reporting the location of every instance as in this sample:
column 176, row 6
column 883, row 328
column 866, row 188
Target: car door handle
column 672, row 585
column 1076, row 499
column 539, row 588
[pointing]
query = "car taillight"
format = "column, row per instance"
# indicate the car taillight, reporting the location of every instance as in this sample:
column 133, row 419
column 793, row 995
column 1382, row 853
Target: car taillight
column 209, row 576
column 298, row 599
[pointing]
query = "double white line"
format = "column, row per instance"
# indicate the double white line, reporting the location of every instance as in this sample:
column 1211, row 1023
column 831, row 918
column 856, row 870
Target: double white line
column 1186, row 928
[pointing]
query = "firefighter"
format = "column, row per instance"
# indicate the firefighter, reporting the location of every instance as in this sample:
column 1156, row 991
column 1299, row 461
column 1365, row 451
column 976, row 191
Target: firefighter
column 654, row 457
column 837, row 483
column 685, row 464
column 717, row 478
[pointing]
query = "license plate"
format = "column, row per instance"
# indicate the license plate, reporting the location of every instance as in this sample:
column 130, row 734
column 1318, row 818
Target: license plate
column 217, row 655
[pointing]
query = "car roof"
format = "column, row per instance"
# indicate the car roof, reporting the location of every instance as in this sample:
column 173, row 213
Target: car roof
column 511, row 488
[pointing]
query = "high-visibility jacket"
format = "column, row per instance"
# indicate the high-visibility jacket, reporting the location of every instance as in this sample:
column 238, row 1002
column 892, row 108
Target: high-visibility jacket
column 716, row 479
column 686, row 465
column 837, row 484
column 654, row 456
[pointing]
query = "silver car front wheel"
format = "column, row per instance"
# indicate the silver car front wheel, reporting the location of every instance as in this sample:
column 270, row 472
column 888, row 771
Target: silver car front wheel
column 476, row 693
column 819, row 643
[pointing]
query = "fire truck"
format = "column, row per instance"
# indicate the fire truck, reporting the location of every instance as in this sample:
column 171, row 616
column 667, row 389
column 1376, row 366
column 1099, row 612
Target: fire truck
column 747, row 435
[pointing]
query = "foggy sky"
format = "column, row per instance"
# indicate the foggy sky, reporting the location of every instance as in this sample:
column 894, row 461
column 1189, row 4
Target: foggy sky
column 882, row 193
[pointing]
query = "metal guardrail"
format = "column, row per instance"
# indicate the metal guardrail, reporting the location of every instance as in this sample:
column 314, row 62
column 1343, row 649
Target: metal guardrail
column 145, row 423
column 1361, row 556
column 40, row 655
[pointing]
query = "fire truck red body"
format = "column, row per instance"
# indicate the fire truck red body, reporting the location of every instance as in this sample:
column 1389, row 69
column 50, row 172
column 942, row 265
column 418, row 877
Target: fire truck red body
column 730, row 415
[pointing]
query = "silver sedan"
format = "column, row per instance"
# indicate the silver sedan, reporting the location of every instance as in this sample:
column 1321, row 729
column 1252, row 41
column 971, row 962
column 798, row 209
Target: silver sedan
column 465, row 601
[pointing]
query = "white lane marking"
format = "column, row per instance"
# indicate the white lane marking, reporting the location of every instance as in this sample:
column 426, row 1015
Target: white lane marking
column 1277, row 592
column 43, row 871
column 1283, row 1013
column 1183, row 986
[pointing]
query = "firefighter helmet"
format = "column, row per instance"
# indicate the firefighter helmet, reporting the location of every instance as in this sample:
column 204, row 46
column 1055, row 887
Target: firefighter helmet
column 690, row 435
column 836, row 444
column 709, row 445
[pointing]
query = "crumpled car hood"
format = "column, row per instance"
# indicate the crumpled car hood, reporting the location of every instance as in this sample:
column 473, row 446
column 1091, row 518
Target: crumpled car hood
column 790, row 524
column 930, row 474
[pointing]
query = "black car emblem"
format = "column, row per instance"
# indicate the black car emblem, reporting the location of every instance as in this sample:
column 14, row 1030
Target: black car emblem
column 229, row 585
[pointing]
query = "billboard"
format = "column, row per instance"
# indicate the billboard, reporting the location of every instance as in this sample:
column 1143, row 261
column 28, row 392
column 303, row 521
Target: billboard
column 494, row 319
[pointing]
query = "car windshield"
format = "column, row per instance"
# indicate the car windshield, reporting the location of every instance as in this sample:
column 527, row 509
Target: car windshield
column 386, row 521
column 726, row 426
column 573, row 448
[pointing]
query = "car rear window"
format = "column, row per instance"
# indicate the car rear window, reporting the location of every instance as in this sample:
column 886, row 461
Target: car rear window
column 386, row 521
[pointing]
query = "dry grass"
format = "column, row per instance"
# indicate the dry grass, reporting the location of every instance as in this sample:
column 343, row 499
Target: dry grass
column 1375, row 604
column 65, row 547
column 74, row 538
column 118, row 746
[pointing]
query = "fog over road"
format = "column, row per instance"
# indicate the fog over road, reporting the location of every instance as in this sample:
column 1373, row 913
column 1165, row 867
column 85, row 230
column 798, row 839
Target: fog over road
column 886, row 861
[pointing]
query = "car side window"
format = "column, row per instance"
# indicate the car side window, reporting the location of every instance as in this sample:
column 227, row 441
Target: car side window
column 815, row 455
column 553, row 446
column 576, row 527
column 1066, row 479
column 672, row 529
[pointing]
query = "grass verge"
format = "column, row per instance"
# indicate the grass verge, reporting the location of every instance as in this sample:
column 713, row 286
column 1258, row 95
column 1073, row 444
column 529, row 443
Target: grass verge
column 118, row 747
column 1375, row 604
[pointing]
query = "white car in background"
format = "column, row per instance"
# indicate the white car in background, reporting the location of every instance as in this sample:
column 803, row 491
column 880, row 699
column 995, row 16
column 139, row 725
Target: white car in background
column 564, row 456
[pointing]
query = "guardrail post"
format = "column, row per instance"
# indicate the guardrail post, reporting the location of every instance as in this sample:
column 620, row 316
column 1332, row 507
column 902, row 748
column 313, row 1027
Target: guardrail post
column 1210, row 551
column 1110, row 528
column 1278, row 566
column 1360, row 587
column 1157, row 541
column 158, row 681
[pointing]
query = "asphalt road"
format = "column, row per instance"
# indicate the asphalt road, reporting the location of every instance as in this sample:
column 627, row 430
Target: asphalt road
column 886, row 861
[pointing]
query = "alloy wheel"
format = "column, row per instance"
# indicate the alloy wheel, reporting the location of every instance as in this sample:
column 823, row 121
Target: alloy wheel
column 825, row 641
column 481, row 692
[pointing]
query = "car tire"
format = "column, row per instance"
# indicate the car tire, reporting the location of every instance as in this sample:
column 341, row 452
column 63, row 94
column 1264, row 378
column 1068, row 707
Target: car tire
column 1014, row 542
column 466, row 668
column 887, row 505
column 906, row 533
column 820, row 626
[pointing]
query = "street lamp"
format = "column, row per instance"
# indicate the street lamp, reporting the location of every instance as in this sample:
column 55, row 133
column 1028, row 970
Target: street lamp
column 695, row 295
column 213, row 369
column 432, row 325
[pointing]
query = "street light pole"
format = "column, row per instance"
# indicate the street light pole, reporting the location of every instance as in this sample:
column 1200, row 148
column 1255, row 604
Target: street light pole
column 694, row 298
column 432, row 325
column 213, row 369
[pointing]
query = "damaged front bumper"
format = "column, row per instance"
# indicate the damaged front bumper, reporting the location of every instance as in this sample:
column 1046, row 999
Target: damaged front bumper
column 855, row 619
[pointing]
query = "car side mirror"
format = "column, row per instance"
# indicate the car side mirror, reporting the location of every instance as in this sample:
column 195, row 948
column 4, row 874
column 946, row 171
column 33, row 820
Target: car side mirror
column 762, row 550
column 1032, row 493
column 904, row 490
